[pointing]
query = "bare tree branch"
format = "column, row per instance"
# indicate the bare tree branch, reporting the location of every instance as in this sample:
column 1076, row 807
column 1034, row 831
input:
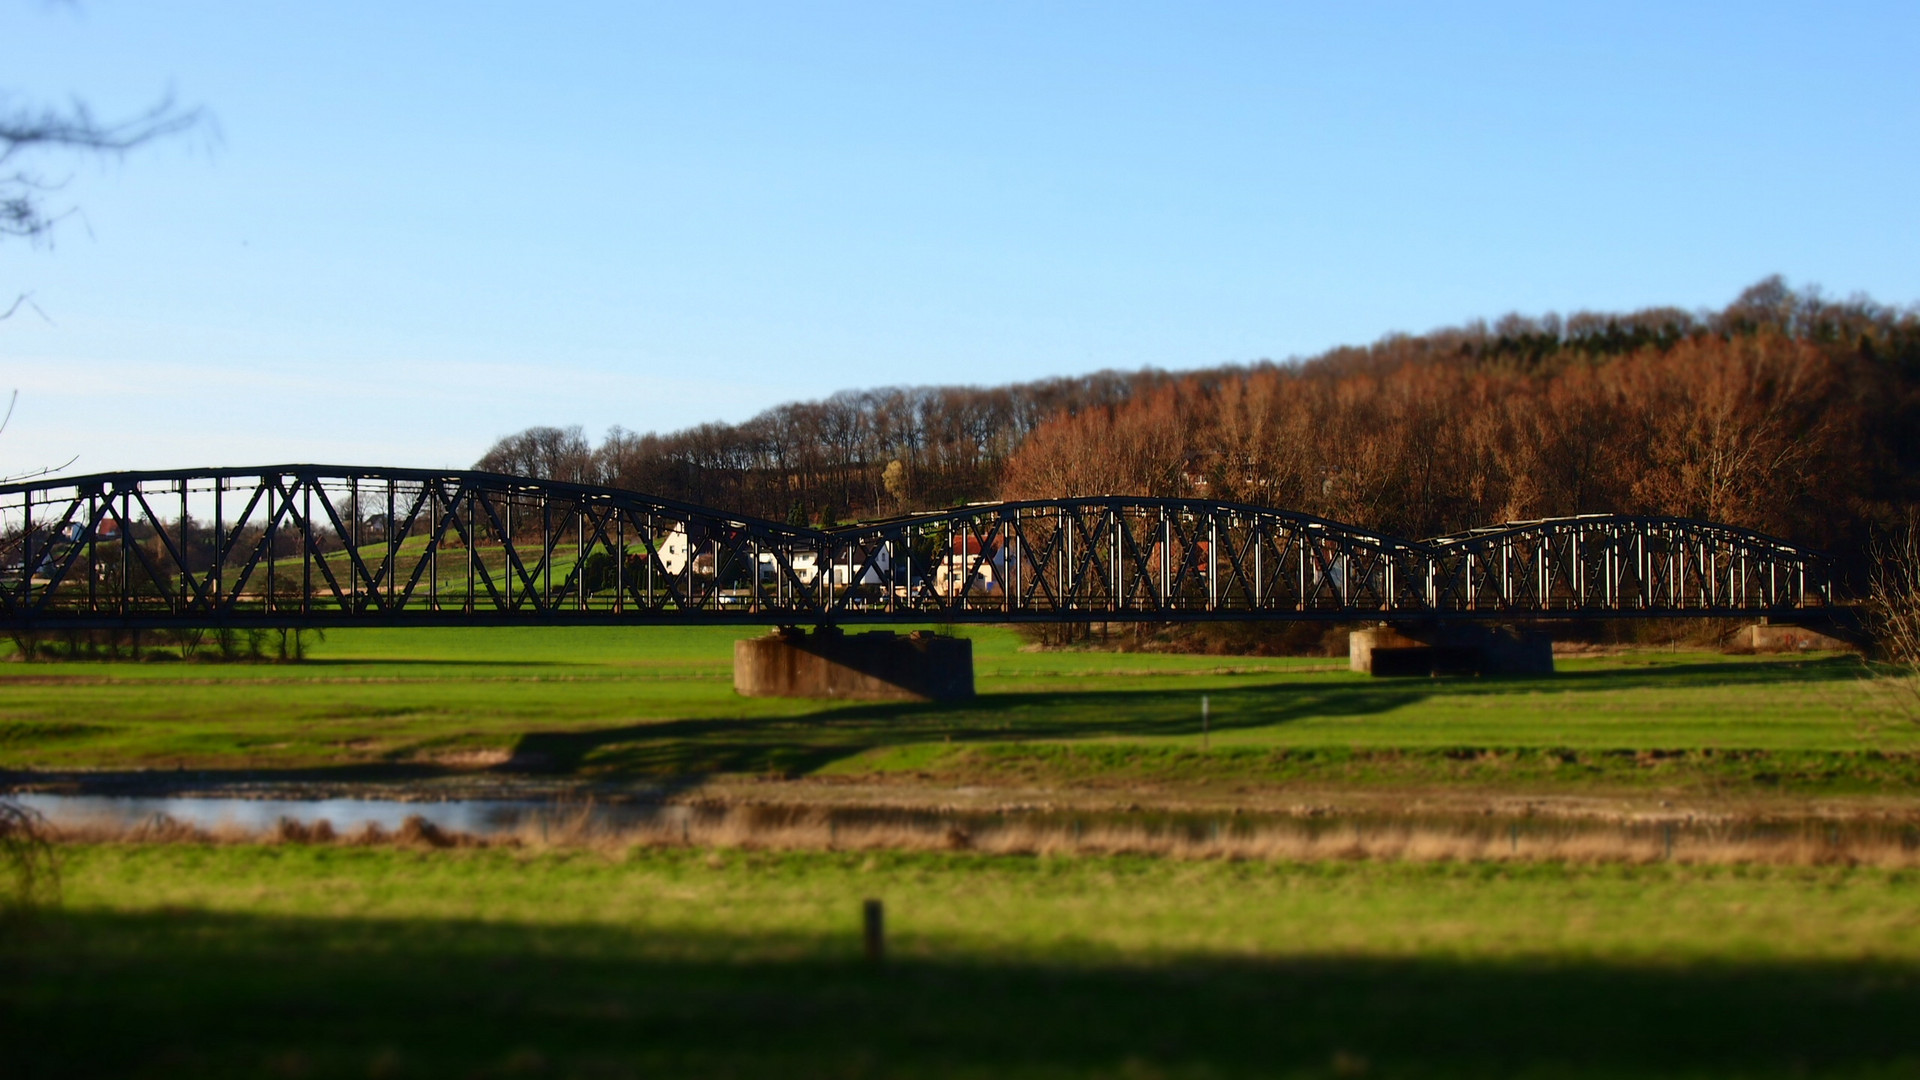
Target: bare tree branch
column 38, row 473
column 24, row 300
column 1895, row 612
column 35, row 474
column 27, row 130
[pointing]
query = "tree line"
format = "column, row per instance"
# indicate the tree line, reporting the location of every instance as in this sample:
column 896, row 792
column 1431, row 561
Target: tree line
column 1785, row 412
column 853, row 456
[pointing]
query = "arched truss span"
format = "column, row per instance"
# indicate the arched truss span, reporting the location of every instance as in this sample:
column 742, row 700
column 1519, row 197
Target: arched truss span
column 1619, row 563
column 323, row 545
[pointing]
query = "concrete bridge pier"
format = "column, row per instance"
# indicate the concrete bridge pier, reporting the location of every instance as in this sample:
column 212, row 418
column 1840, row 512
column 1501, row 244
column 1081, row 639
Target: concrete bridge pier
column 875, row 666
column 1767, row 636
column 1449, row 650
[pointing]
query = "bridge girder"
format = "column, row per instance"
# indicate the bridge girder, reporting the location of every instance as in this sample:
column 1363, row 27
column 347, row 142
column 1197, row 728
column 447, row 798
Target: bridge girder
column 316, row 545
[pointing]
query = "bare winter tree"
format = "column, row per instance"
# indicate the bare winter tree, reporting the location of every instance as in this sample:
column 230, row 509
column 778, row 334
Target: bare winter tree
column 29, row 867
column 549, row 453
column 1895, row 612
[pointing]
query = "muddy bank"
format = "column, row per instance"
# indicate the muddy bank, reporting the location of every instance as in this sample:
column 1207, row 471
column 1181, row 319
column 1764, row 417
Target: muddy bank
column 394, row 783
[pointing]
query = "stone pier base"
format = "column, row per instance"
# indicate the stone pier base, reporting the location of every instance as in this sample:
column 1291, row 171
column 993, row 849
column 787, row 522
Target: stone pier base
column 1772, row 637
column 1451, row 650
column 875, row 666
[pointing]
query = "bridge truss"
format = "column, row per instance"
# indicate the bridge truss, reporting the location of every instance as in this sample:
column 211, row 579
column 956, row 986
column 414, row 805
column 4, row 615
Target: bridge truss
column 312, row 545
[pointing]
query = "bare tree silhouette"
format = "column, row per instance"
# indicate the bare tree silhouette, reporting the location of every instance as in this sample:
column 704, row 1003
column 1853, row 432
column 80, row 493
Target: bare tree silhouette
column 1895, row 612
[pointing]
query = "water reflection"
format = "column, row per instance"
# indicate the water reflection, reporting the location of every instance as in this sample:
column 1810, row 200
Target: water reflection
column 481, row 817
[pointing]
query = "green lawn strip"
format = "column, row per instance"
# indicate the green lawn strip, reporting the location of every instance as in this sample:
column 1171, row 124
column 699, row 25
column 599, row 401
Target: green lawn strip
column 1517, row 768
column 647, row 701
column 337, row 961
column 299, row 722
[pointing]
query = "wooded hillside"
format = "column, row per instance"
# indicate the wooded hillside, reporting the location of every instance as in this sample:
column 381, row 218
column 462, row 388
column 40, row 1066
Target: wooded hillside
column 1784, row 412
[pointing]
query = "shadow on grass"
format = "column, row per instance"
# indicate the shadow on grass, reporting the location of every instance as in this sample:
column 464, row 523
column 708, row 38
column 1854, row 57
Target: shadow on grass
column 197, row 994
column 1704, row 673
column 800, row 744
column 680, row 752
column 792, row 745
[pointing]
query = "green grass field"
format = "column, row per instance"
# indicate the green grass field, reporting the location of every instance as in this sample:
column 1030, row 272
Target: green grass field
column 306, row 961
column 612, row 703
column 296, row 961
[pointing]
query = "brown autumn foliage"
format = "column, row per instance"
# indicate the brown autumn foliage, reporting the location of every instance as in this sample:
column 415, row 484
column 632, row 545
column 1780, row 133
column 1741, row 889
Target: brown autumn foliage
column 1761, row 425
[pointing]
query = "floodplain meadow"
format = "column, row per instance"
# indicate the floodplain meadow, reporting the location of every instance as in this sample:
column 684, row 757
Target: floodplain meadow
column 727, row 941
column 598, row 704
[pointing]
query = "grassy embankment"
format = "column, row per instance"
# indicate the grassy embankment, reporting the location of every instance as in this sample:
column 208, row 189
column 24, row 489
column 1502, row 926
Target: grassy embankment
column 301, row 961
column 614, row 703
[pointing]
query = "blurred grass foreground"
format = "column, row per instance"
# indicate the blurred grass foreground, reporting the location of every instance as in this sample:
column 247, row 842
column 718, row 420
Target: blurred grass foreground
column 295, row 960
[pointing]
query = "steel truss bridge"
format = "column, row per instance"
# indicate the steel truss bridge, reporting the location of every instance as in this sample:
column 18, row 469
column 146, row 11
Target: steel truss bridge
column 322, row 546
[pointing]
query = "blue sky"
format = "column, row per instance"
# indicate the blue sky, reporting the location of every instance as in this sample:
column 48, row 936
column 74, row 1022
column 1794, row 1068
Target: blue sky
column 416, row 227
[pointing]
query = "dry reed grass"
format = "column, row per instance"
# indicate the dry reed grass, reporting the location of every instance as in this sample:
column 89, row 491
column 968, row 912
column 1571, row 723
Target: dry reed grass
column 579, row 830
column 28, row 865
